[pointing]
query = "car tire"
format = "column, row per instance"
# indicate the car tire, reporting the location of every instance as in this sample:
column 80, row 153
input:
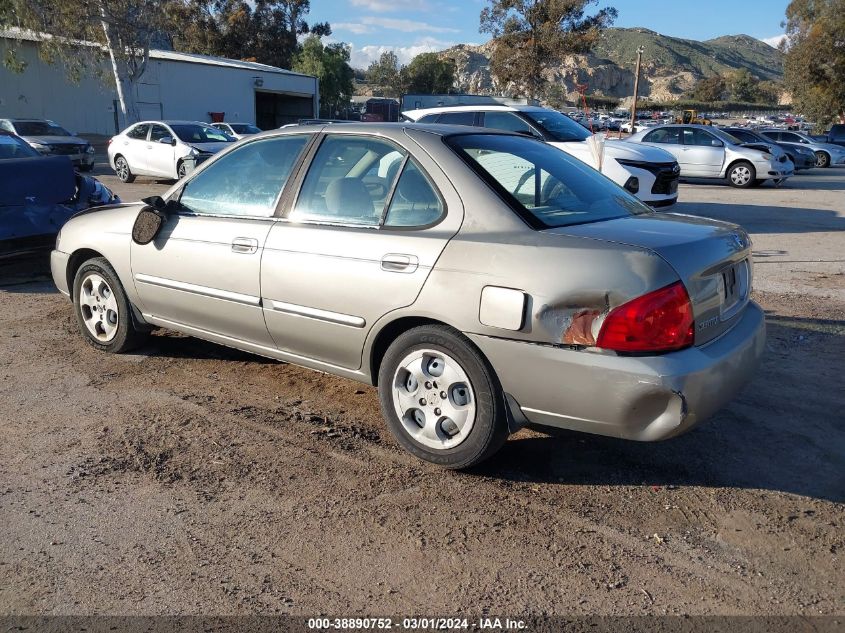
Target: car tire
column 822, row 159
column 741, row 174
column 121, row 168
column 455, row 424
column 181, row 170
column 102, row 310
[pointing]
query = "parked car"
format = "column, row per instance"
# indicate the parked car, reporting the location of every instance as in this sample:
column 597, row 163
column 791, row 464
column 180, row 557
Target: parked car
column 480, row 279
column 827, row 154
column 164, row 149
column 707, row 152
column 237, row 130
column 50, row 138
column 38, row 194
column 800, row 156
column 650, row 174
column 638, row 126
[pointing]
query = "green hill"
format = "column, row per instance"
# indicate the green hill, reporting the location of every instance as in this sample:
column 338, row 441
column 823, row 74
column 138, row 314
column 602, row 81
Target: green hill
column 710, row 57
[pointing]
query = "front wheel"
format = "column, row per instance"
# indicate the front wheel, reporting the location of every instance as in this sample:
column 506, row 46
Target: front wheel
column 741, row 175
column 181, row 170
column 441, row 399
column 822, row 159
column 102, row 309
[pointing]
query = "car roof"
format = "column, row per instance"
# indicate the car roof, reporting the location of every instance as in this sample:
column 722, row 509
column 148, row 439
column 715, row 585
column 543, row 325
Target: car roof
column 354, row 127
column 485, row 107
column 21, row 120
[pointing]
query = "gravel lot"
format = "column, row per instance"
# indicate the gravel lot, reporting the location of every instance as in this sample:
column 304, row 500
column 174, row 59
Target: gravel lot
column 190, row 478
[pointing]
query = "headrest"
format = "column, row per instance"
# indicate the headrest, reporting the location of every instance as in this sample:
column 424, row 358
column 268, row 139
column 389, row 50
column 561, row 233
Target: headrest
column 348, row 197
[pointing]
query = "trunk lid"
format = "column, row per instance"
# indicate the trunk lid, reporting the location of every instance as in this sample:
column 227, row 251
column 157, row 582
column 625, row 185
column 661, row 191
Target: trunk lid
column 712, row 258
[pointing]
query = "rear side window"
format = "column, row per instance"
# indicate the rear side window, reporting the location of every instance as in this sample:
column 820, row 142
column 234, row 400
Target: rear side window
column 457, row 118
column 667, row 135
column 414, row 202
column 139, row 132
column 837, row 133
column 547, row 187
column 246, row 182
column 428, row 118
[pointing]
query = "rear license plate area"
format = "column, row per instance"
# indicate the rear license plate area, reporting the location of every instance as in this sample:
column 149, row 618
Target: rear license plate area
column 733, row 286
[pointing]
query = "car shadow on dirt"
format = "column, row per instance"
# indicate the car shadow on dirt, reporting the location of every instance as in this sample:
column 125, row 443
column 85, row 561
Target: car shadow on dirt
column 766, row 219
column 785, row 432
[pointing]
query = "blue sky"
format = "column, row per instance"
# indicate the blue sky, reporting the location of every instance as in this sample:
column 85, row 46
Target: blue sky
column 410, row 27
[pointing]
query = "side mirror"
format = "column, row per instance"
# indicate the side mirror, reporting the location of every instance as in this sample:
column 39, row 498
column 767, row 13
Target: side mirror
column 151, row 218
column 167, row 140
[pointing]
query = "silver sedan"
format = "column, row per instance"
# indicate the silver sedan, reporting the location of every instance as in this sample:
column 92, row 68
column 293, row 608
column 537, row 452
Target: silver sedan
column 703, row 151
column 481, row 280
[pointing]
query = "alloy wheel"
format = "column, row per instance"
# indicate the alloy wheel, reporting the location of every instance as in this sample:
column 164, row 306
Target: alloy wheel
column 740, row 175
column 122, row 168
column 434, row 399
column 98, row 307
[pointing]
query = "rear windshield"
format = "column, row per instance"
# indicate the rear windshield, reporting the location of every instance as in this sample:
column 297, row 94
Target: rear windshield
column 190, row 133
column 546, row 186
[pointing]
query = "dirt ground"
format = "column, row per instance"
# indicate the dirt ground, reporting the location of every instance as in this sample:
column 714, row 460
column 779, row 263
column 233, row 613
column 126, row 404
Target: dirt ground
column 190, row 478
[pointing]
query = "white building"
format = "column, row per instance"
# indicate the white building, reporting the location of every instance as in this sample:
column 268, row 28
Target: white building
column 174, row 86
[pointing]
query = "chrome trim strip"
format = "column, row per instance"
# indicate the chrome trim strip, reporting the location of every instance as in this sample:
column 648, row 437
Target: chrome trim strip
column 316, row 313
column 205, row 291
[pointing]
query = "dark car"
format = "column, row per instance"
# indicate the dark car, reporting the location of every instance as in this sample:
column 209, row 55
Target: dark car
column 38, row 194
column 50, row 138
column 835, row 135
column 802, row 157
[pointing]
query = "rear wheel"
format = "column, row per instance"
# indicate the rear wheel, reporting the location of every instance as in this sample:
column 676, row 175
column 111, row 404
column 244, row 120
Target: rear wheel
column 121, row 167
column 822, row 159
column 741, row 174
column 102, row 309
column 441, row 399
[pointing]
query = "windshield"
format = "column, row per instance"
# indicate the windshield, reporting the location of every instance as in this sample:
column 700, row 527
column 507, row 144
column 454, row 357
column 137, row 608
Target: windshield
column 547, row 187
column 244, row 128
column 39, row 128
column 11, row 147
column 559, row 126
column 190, row 133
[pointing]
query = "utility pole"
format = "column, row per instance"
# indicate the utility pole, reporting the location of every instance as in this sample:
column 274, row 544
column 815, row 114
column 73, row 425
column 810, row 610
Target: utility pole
column 636, row 89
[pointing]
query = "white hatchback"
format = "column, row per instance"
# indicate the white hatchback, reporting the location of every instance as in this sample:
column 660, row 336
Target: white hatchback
column 164, row 149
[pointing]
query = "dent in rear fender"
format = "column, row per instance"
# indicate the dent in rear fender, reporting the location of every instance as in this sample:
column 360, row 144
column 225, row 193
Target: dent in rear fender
column 561, row 277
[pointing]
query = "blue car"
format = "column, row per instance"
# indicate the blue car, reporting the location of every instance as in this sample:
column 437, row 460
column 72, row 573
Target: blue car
column 38, row 194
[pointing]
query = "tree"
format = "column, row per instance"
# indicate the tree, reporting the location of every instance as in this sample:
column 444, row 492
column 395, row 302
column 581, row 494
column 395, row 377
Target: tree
column 80, row 34
column 814, row 67
column 533, row 35
column 265, row 31
column 742, row 85
column 386, row 73
column 330, row 64
column 428, row 74
column 709, row 89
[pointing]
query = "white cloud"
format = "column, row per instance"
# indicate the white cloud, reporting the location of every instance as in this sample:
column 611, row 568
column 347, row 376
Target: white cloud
column 773, row 41
column 393, row 5
column 363, row 56
column 370, row 23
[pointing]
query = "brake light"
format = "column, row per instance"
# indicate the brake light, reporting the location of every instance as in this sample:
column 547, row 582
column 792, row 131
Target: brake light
column 660, row 321
column 110, row 140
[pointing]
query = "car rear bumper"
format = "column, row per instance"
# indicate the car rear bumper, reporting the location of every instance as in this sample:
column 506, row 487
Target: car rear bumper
column 642, row 398
column 58, row 268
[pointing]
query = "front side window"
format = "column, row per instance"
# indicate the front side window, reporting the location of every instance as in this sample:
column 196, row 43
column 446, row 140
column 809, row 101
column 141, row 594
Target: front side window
column 547, row 187
column 159, row 132
column 428, row 118
column 695, row 136
column 789, row 137
column 139, row 132
column 457, row 118
column 664, row 135
column 505, row 121
column 246, row 182
column 558, row 126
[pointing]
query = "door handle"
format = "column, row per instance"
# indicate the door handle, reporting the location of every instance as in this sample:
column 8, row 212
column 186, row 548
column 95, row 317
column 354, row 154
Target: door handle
column 246, row 245
column 399, row 263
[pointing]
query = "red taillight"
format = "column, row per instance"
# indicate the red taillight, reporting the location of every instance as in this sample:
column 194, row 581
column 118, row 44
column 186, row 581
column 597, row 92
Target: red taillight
column 110, row 140
column 660, row 321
